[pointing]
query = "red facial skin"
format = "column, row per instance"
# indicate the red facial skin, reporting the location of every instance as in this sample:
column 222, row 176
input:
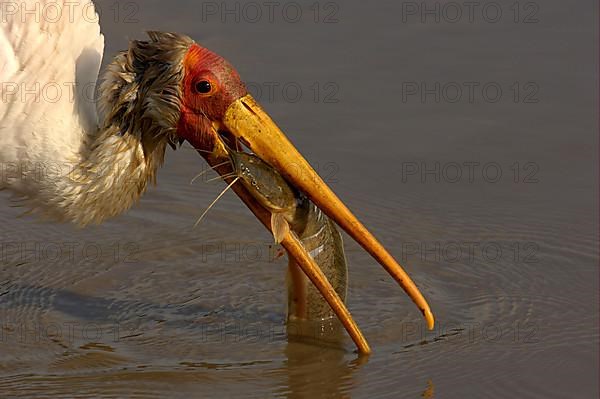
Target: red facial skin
column 198, row 110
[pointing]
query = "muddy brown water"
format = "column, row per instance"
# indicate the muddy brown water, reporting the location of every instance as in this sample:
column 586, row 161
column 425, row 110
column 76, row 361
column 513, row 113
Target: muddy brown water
column 488, row 197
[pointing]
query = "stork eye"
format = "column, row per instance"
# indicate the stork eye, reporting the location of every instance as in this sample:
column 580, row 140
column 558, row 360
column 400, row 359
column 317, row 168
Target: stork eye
column 203, row 87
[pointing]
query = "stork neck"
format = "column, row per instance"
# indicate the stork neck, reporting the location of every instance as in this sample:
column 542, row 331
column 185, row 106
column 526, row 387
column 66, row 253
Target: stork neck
column 112, row 172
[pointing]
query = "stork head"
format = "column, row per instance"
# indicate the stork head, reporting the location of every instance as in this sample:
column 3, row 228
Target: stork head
column 209, row 86
column 185, row 92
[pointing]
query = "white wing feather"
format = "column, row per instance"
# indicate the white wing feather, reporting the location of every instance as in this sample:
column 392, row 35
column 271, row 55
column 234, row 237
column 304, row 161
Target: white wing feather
column 50, row 56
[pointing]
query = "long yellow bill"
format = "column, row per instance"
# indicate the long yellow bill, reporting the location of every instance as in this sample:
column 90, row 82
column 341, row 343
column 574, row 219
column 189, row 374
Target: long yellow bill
column 250, row 124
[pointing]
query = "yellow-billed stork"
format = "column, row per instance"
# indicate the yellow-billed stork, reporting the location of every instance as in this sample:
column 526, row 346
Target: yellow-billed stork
column 160, row 92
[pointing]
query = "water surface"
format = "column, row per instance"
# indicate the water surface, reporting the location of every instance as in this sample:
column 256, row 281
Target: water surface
column 147, row 306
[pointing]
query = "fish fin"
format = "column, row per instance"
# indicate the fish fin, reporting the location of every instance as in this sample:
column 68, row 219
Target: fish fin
column 279, row 227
